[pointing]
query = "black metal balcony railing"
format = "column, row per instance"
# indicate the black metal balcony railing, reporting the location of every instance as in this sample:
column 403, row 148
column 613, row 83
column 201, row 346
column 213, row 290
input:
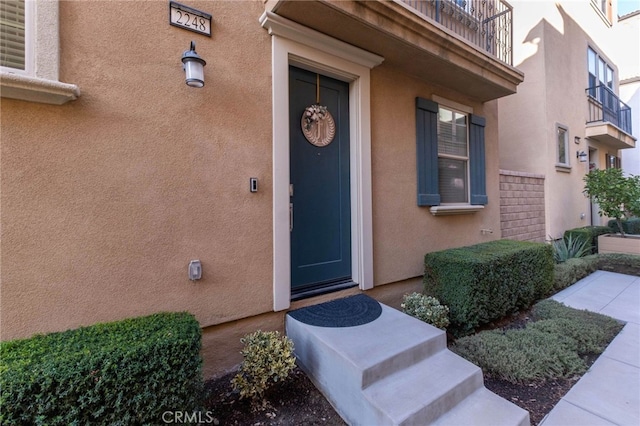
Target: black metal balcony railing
column 604, row 105
column 485, row 23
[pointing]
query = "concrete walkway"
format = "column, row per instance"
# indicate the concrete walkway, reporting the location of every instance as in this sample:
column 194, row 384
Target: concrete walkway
column 609, row 393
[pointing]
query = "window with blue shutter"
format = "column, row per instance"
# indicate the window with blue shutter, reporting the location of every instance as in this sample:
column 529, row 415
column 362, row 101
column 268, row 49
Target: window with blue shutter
column 450, row 151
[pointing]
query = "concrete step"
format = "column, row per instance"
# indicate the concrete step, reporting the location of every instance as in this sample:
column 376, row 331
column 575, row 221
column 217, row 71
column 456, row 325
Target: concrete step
column 484, row 408
column 419, row 394
column 395, row 370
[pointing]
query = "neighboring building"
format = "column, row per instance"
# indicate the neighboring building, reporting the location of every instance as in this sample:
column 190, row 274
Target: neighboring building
column 567, row 116
column 627, row 56
column 116, row 175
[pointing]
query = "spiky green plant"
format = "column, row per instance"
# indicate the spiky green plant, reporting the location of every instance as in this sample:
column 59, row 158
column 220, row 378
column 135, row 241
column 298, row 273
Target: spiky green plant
column 570, row 248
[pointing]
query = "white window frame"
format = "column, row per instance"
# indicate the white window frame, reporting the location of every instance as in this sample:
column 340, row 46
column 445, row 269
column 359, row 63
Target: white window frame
column 457, row 157
column 29, row 30
column 39, row 82
column 606, row 13
column 562, row 166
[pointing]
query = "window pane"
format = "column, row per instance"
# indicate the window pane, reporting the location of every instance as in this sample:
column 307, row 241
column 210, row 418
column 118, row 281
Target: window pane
column 452, row 133
column 601, row 76
column 452, row 180
column 591, row 59
column 562, row 146
column 609, row 77
column 12, row 43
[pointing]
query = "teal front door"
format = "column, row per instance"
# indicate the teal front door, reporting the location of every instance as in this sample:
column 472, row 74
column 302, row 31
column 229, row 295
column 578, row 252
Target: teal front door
column 320, row 200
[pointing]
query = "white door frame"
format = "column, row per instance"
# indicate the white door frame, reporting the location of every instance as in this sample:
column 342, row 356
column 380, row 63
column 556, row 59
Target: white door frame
column 294, row 44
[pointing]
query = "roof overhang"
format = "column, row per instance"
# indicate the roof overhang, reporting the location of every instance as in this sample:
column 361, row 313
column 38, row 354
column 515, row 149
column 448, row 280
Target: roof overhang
column 408, row 41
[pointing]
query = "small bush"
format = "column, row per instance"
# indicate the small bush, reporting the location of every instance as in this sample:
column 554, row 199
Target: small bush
column 125, row 372
column 589, row 329
column 486, row 281
column 629, row 226
column 622, row 263
column 268, row 359
column 426, row 308
column 570, row 248
column 573, row 270
column 520, row 355
column 588, row 233
column 550, row 347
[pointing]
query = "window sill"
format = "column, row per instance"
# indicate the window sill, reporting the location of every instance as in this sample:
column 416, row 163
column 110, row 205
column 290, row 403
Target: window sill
column 458, row 209
column 563, row 168
column 33, row 89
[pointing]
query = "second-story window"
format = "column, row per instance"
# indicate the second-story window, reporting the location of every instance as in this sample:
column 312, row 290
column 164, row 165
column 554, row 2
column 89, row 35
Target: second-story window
column 601, row 76
column 562, row 135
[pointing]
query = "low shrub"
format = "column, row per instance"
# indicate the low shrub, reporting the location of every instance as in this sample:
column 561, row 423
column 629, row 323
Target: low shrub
column 550, row 347
column 125, row 372
column 520, row 355
column 267, row 359
column 426, row 308
column 588, row 233
column 590, row 329
column 573, row 270
column 629, row 226
column 622, row 263
column 570, row 248
column 486, row 281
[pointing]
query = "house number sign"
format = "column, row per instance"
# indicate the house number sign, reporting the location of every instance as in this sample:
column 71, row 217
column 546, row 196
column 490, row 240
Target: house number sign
column 190, row 19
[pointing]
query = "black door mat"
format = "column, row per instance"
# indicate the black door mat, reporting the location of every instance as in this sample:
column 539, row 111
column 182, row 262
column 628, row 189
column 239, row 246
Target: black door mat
column 347, row 312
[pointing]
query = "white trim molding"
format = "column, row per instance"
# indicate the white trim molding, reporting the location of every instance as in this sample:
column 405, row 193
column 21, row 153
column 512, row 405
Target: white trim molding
column 445, row 210
column 39, row 81
column 293, row 44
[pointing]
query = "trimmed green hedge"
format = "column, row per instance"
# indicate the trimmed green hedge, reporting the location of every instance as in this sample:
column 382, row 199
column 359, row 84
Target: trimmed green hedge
column 619, row 262
column 569, row 272
column 573, row 270
column 630, row 226
column 589, row 233
column 486, row 281
column 119, row 373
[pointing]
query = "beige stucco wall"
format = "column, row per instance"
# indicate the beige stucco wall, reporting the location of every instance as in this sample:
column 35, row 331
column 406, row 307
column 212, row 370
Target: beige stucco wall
column 106, row 199
column 550, row 46
column 404, row 232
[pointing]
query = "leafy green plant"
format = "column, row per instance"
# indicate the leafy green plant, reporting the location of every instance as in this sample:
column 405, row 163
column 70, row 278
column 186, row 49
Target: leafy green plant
column 486, row 281
column 569, row 248
column 617, row 196
column 520, row 356
column 268, row 359
column 124, row 372
column 630, row 225
column 588, row 233
column 573, row 270
column 550, row 347
column 426, row 308
column 618, row 262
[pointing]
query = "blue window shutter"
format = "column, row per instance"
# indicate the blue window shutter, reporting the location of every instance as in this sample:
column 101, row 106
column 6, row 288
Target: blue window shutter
column 427, row 152
column 477, row 168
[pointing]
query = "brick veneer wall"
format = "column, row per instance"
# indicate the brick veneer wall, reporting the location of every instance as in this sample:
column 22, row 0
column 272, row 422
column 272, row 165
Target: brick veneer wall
column 522, row 206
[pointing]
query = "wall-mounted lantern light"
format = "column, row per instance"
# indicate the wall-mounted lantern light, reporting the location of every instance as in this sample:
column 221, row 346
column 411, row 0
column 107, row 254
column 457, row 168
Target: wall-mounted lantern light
column 582, row 156
column 193, row 66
